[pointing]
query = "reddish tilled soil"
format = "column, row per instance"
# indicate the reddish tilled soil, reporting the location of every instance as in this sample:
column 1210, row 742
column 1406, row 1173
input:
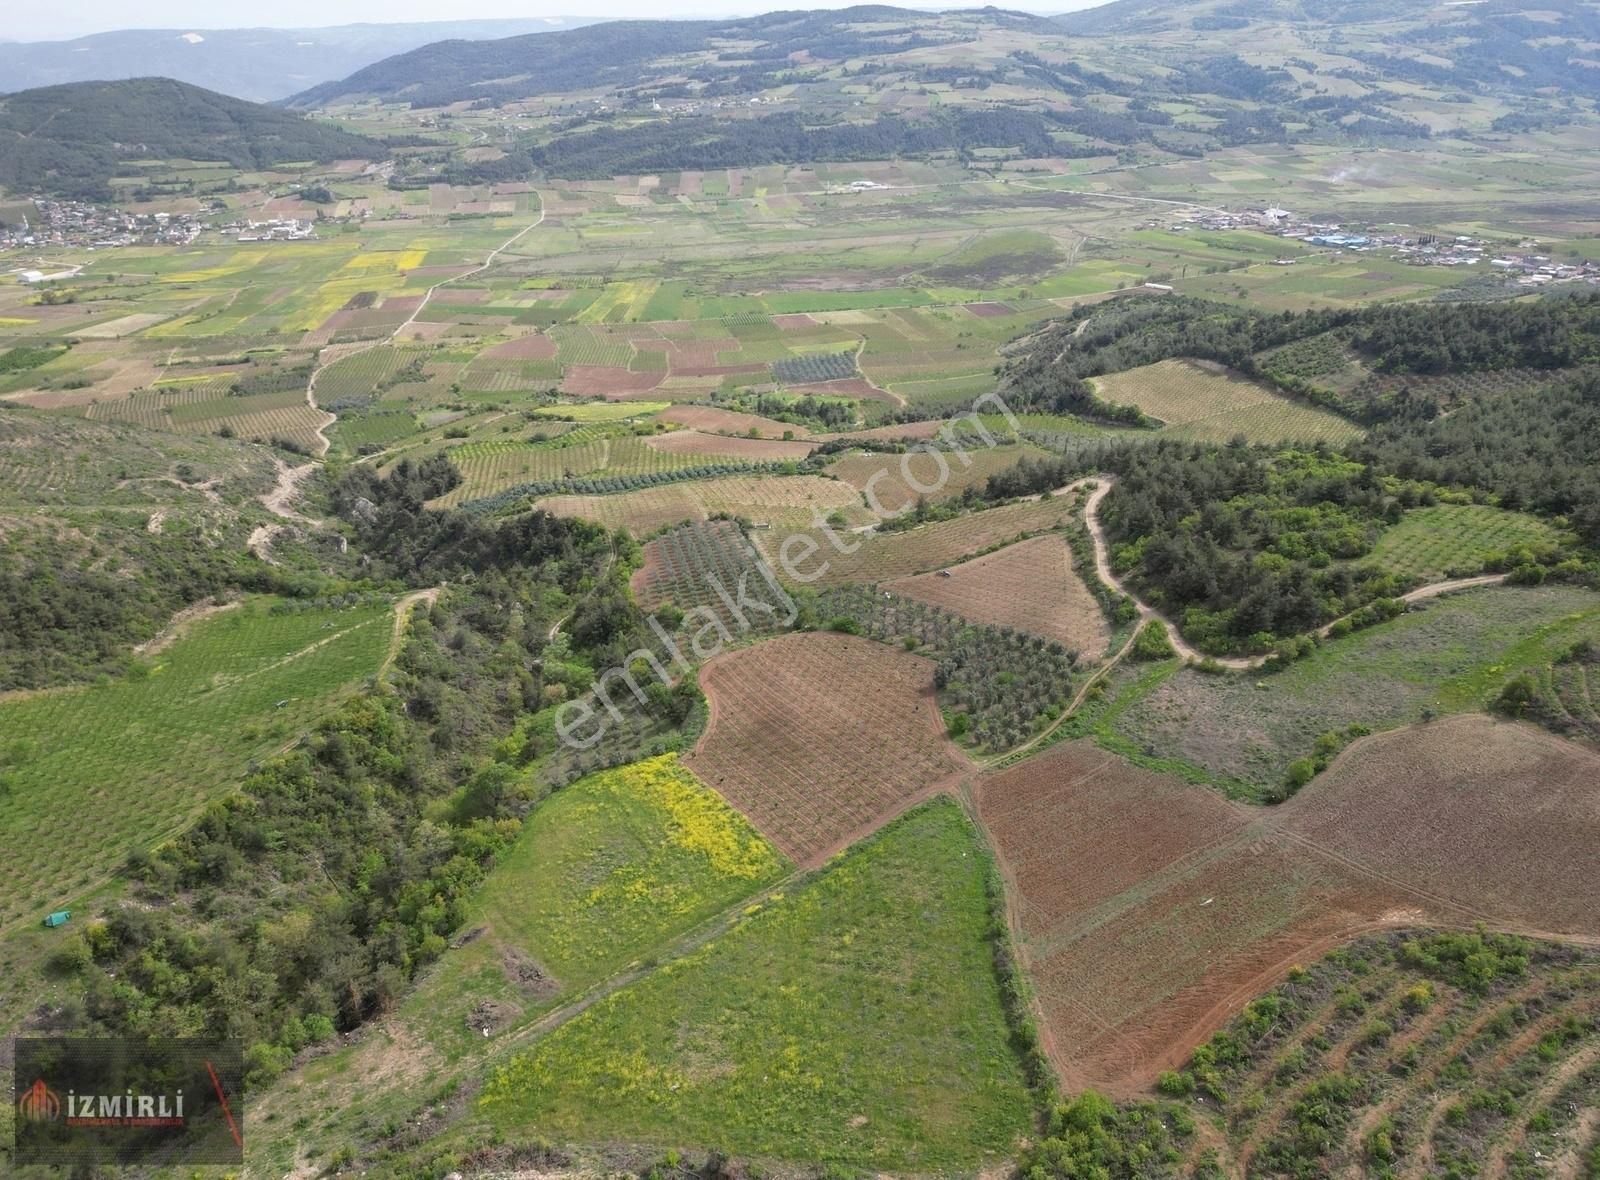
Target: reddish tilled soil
column 821, row 738
column 717, row 421
column 535, row 347
column 693, row 442
column 1508, row 817
column 793, row 322
column 1030, row 586
column 681, row 370
column 607, row 381
column 1149, row 911
column 916, row 430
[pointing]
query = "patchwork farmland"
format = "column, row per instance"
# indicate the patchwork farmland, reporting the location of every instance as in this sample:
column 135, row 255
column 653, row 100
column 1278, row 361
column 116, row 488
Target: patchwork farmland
column 976, row 866
column 1103, row 900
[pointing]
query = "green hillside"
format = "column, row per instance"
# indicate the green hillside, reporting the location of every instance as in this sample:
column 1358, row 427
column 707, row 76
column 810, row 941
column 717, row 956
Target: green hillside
column 92, row 128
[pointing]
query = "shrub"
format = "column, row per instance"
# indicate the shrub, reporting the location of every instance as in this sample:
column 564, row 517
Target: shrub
column 1152, row 642
column 1175, row 1083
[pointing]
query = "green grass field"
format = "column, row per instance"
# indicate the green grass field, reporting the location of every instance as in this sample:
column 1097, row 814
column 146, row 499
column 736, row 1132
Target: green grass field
column 856, row 1020
column 1199, row 402
column 606, row 872
column 1242, row 731
column 1451, row 540
column 93, row 773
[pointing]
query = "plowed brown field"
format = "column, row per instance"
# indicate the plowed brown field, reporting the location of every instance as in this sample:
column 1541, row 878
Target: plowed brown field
column 1030, row 586
column 883, row 556
column 1149, row 911
column 820, row 738
column 1498, row 818
column 720, row 421
column 761, row 450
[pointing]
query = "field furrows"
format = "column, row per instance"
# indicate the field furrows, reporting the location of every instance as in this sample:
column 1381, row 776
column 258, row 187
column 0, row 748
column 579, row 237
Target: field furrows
column 1030, row 586
column 1100, row 911
column 819, row 738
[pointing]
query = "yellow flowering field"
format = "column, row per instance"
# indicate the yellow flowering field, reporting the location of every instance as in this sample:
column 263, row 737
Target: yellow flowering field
column 618, row 863
column 858, row 1016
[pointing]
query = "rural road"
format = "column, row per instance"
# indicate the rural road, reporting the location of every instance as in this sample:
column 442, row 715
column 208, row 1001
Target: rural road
column 1102, row 564
column 402, row 615
column 277, row 501
column 346, row 353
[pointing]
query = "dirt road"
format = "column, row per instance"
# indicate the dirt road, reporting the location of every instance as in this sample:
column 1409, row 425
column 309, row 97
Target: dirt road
column 338, row 354
column 1102, row 564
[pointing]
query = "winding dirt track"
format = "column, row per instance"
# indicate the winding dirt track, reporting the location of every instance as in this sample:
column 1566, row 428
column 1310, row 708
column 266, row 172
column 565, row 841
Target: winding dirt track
column 1102, row 564
column 337, row 354
column 278, row 501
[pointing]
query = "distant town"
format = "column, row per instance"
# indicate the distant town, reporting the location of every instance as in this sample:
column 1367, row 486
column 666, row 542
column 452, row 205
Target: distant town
column 1523, row 263
column 80, row 225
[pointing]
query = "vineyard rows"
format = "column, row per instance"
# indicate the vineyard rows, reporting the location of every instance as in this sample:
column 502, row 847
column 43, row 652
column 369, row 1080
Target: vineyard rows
column 817, row 366
column 685, row 565
column 118, row 766
column 1007, row 683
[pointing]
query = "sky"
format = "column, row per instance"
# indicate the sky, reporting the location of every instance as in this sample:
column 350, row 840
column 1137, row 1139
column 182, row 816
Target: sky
column 75, row 18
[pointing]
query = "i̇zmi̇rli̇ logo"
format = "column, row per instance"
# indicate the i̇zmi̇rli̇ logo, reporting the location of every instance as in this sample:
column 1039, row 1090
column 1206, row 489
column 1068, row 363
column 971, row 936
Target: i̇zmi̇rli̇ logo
column 40, row 1104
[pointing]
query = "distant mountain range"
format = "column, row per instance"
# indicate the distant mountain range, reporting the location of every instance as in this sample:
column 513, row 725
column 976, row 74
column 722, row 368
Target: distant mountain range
column 256, row 64
column 72, row 140
column 1356, row 55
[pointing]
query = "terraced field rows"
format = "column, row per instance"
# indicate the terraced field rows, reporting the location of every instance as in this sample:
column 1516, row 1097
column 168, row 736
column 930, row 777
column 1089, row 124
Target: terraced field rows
column 686, row 566
column 1410, row 1054
column 1451, row 540
column 1205, row 402
column 98, row 771
column 489, row 467
column 785, row 502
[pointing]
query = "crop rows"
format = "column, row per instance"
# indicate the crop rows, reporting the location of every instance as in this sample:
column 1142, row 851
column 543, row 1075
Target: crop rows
column 191, row 413
column 361, row 374
column 817, row 736
column 817, row 366
column 296, row 423
column 884, row 556
column 786, row 501
column 1410, row 1054
column 1195, row 402
column 491, row 467
column 583, row 346
column 687, row 565
column 1029, row 586
column 607, row 485
column 1006, row 683
column 379, row 429
column 93, row 773
column 1453, row 388
column 1452, row 540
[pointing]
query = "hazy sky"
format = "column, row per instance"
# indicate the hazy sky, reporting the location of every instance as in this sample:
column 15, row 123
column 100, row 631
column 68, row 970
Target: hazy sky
column 74, row 18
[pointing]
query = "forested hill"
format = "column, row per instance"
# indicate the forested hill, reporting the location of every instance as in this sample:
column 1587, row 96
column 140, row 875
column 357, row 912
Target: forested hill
column 261, row 65
column 1488, row 44
column 626, row 53
column 1371, row 364
column 1181, row 78
column 71, row 140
